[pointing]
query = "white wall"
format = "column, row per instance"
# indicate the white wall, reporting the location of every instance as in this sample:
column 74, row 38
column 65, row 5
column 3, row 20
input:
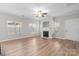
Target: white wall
column 60, row 31
column 25, row 30
column 72, row 29
column 68, row 29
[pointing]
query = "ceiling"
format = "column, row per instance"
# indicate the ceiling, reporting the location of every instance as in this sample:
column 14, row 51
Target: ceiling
column 27, row 9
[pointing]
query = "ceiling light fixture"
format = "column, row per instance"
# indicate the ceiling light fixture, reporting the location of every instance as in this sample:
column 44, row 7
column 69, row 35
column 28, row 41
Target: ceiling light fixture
column 40, row 13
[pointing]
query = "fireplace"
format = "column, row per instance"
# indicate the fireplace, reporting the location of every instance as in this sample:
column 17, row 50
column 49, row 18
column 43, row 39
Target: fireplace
column 45, row 33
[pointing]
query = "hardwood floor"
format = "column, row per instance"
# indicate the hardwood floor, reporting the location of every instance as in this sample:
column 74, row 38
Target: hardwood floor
column 37, row 46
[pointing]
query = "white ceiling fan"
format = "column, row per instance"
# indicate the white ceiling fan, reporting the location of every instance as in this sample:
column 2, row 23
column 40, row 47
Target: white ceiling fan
column 40, row 13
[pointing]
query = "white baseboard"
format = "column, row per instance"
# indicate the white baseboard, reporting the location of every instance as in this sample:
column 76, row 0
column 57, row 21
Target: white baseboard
column 17, row 38
column 67, row 39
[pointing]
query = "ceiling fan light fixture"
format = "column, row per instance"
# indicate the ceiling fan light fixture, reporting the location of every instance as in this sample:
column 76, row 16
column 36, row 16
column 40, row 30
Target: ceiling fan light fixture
column 40, row 13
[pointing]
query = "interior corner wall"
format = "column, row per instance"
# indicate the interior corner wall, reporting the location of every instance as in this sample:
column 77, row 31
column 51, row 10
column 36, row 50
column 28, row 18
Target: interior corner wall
column 60, row 31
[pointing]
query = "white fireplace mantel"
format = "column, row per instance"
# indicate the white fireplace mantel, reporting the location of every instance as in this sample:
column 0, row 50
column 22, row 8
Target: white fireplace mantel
column 49, row 28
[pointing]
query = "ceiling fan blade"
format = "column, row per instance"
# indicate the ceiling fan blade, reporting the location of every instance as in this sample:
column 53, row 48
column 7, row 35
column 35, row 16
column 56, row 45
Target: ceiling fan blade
column 43, row 16
column 44, row 13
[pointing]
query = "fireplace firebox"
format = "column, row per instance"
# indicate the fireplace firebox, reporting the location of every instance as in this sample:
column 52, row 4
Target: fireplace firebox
column 45, row 33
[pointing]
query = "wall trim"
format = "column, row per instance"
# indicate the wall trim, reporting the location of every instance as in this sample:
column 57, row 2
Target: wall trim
column 66, row 39
column 17, row 38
